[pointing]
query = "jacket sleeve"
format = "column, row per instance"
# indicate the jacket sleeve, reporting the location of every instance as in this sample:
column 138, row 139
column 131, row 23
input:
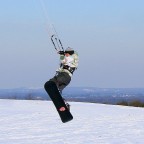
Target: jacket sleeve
column 75, row 61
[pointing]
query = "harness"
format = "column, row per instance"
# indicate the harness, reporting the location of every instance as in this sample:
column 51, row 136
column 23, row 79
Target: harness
column 70, row 69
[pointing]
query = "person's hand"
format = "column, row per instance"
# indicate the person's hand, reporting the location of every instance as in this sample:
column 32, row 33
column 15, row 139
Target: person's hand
column 61, row 52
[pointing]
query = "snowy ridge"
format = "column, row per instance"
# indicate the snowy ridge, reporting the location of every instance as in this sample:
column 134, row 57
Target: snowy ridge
column 35, row 122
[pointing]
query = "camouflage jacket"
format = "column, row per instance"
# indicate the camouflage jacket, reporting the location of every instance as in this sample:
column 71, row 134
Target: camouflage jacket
column 70, row 61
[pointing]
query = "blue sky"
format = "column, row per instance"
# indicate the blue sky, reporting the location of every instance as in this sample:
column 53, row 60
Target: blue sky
column 108, row 35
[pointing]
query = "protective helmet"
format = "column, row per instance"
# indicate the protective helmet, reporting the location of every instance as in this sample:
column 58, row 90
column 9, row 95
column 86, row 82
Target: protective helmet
column 69, row 50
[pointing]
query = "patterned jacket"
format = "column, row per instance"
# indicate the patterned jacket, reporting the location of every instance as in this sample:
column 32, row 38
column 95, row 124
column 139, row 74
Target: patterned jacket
column 70, row 62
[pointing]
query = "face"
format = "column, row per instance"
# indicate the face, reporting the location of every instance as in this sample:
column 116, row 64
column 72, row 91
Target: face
column 67, row 54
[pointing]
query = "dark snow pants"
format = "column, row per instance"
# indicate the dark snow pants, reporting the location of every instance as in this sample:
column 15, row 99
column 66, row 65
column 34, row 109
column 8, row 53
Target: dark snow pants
column 61, row 79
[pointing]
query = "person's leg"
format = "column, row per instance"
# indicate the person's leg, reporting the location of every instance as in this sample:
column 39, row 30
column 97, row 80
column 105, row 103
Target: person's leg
column 63, row 79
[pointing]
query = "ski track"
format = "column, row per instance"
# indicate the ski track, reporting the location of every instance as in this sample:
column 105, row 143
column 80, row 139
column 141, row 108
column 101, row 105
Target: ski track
column 37, row 122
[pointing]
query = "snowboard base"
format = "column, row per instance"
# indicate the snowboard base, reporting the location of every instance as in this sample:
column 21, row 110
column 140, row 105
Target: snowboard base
column 58, row 101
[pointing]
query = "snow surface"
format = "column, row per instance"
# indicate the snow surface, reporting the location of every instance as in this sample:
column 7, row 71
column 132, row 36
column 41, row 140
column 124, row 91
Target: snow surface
column 37, row 122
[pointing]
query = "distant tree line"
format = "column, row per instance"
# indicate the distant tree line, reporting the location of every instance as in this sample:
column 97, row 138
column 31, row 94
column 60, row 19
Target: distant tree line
column 135, row 103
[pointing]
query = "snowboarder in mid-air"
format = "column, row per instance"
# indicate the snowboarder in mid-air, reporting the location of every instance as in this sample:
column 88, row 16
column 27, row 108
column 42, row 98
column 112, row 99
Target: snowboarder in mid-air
column 68, row 64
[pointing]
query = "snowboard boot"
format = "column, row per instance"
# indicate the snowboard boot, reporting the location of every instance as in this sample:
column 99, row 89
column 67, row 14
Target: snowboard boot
column 67, row 104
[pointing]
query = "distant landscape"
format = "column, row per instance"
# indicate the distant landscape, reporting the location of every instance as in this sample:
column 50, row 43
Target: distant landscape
column 79, row 94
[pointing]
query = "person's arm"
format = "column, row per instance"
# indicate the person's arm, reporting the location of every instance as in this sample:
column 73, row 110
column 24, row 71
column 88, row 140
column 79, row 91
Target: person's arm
column 62, row 57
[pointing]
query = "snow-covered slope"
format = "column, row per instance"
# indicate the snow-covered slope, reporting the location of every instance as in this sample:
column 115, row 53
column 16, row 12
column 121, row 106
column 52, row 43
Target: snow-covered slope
column 37, row 122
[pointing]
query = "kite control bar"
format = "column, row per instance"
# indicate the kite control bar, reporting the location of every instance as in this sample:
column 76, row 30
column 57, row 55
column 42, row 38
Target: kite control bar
column 57, row 43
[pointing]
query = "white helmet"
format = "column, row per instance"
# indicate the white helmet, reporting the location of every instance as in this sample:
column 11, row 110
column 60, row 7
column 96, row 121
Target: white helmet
column 69, row 49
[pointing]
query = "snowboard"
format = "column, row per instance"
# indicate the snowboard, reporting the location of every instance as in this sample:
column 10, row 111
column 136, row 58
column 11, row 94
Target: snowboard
column 58, row 101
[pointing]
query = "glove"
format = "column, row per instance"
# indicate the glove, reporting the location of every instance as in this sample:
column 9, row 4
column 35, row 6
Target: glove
column 61, row 52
